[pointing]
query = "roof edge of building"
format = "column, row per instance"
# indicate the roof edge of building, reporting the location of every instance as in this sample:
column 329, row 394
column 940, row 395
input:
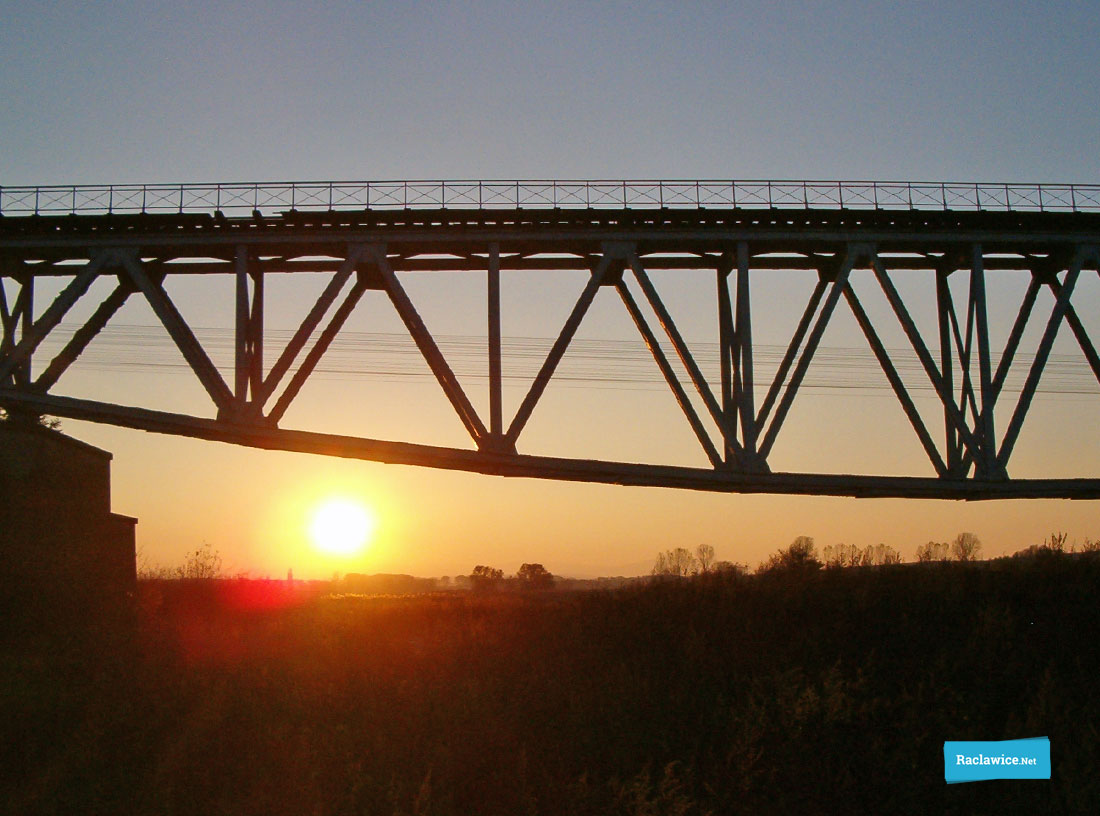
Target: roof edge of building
column 9, row 427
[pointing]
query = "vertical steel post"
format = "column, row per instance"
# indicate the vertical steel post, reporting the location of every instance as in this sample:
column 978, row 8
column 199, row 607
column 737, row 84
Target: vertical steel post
column 24, row 372
column 745, row 399
column 947, row 364
column 242, row 334
column 256, row 336
column 725, row 353
column 496, row 420
column 986, row 428
column 5, row 314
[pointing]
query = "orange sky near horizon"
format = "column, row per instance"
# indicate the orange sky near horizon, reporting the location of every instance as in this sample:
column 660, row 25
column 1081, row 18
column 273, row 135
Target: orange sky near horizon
column 126, row 92
column 254, row 506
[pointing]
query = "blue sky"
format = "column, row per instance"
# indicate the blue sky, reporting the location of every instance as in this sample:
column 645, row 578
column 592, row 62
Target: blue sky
column 150, row 92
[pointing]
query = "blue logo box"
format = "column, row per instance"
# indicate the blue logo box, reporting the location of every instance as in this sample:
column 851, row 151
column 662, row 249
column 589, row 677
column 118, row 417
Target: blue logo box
column 1004, row 759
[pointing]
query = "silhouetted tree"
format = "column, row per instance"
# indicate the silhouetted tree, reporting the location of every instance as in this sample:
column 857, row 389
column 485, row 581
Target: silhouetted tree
column 880, row 554
column 966, row 547
column 675, row 562
column 849, row 555
column 535, row 576
column 1057, row 542
column 485, row 579
column 704, row 554
column 800, row 556
column 842, row 555
column 204, row 563
column 934, row 551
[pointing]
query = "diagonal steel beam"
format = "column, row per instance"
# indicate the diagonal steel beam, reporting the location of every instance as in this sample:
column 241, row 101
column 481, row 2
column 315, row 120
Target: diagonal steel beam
column 35, row 332
column 923, row 354
column 792, row 351
column 682, row 351
column 1011, row 346
column 966, row 389
column 895, row 380
column 542, row 379
column 669, row 375
column 1041, row 356
column 7, row 337
column 967, row 396
column 986, row 430
column 302, row 334
column 328, row 334
column 181, row 333
column 1013, row 342
column 428, row 348
column 82, row 337
column 1079, row 330
column 836, row 288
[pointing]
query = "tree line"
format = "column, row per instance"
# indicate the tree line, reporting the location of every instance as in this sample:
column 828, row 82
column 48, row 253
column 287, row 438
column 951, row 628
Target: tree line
column 802, row 554
column 529, row 577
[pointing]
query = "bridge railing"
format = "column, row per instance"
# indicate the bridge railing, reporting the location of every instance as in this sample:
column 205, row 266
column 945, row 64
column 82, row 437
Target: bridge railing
column 237, row 198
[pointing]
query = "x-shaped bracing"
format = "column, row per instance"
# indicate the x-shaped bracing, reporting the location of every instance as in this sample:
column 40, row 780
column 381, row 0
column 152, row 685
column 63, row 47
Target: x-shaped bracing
column 734, row 435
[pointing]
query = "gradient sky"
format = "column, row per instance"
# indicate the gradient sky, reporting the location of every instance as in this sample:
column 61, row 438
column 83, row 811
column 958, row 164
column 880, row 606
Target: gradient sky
column 163, row 92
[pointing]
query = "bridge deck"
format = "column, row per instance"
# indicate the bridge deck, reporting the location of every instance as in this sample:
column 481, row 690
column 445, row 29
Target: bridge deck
column 524, row 233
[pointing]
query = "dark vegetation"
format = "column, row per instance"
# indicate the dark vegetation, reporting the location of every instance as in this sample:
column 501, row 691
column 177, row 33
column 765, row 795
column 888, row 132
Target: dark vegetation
column 800, row 689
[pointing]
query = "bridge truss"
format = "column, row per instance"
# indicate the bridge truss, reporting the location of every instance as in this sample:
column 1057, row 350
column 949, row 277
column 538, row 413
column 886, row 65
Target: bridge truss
column 736, row 417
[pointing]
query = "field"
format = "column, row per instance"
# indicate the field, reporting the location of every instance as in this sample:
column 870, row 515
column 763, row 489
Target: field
column 826, row 691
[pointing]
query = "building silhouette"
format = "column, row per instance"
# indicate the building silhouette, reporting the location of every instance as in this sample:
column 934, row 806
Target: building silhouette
column 64, row 556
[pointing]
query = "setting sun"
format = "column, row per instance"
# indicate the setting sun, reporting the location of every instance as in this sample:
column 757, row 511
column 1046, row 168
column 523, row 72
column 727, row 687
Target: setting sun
column 341, row 526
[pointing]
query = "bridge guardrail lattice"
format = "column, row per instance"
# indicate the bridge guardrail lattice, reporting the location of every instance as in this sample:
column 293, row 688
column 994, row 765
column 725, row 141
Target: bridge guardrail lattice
column 236, row 198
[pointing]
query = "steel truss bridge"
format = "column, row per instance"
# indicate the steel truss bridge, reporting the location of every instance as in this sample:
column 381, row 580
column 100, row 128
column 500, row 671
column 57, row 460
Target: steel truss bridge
column 365, row 236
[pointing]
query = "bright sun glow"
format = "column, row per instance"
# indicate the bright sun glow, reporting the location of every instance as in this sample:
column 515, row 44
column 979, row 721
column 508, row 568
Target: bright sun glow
column 342, row 527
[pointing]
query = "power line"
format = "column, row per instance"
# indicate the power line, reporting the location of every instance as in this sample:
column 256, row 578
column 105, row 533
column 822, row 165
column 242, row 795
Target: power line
column 602, row 364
